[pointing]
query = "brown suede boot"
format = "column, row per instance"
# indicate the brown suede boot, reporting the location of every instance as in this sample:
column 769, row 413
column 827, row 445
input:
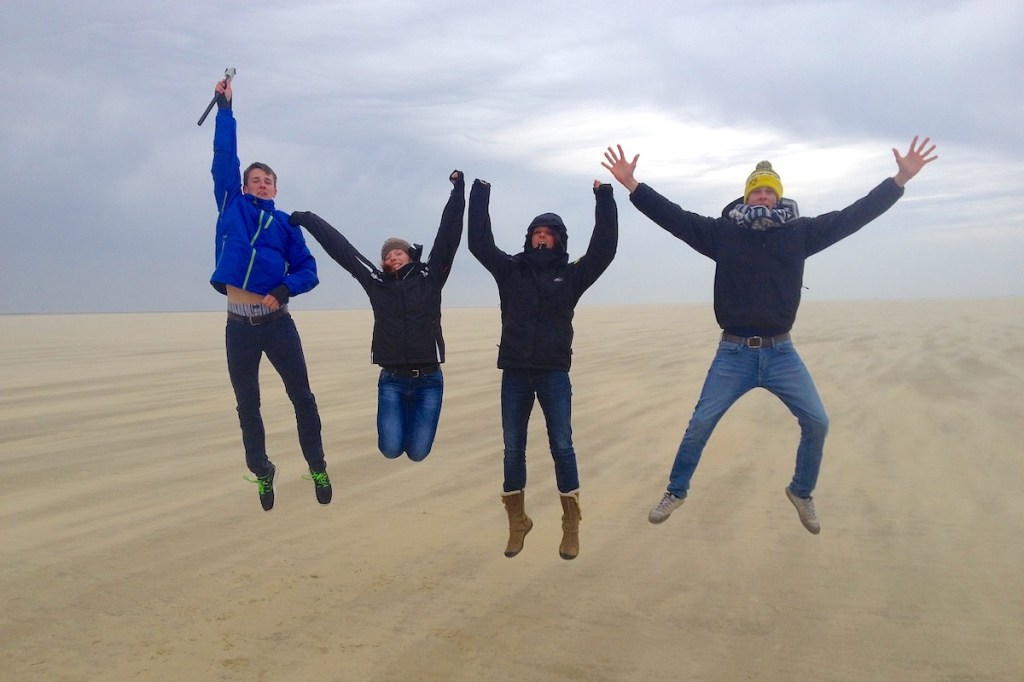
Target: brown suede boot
column 519, row 524
column 570, row 547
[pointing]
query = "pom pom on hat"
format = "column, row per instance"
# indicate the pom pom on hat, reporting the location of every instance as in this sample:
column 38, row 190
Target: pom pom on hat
column 395, row 243
column 763, row 176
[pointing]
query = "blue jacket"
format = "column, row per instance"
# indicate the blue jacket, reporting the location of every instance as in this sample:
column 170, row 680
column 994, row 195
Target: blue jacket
column 256, row 248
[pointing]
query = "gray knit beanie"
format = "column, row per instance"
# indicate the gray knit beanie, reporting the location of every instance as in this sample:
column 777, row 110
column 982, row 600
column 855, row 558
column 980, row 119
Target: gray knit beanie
column 395, row 243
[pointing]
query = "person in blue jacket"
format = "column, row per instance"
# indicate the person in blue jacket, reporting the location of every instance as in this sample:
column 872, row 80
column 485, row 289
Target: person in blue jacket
column 759, row 246
column 405, row 294
column 261, row 262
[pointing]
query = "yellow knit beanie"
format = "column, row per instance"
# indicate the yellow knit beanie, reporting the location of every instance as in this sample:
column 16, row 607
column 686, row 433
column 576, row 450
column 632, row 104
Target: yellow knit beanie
column 763, row 176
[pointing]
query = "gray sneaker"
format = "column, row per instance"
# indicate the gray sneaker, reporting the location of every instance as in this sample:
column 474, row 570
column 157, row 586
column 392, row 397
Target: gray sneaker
column 664, row 508
column 805, row 508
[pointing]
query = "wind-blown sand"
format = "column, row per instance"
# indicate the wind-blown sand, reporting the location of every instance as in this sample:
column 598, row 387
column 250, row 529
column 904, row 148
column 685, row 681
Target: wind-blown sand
column 133, row 550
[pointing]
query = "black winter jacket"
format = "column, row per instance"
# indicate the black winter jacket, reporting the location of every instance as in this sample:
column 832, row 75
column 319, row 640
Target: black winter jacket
column 406, row 304
column 759, row 274
column 539, row 288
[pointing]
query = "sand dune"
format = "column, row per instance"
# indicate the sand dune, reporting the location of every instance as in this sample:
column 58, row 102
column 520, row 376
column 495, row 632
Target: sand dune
column 133, row 549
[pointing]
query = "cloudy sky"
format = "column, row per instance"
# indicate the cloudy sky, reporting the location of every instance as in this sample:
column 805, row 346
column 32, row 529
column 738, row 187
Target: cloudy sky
column 364, row 107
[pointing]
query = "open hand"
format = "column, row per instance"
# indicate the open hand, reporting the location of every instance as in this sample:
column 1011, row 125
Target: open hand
column 621, row 169
column 916, row 158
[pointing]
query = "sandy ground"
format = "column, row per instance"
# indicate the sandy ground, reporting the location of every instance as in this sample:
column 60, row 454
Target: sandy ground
column 133, row 550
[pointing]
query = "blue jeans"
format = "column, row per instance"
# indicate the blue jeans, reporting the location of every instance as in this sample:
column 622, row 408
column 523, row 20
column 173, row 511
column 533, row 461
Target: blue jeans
column 279, row 339
column 736, row 370
column 554, row 393
column 408, row 409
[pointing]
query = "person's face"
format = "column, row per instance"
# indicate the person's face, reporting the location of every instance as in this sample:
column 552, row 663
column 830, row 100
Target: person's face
column 396, row 259
column 260, row 184
column 763, row 196
column 543, row 235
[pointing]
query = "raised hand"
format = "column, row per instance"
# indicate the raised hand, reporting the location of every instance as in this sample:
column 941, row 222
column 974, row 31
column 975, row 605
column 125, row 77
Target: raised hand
column 621, row 169
column 223, row 87
column 916, row 158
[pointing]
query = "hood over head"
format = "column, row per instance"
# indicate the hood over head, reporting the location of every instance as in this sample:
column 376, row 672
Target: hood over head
column 554, row 221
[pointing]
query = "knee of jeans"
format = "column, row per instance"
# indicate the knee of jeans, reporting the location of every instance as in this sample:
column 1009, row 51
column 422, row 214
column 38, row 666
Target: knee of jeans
column 390, row 450
column 303, row 401
column 418, row 455
column 513, row 442
column 815, row 425
column 701, row 426
column 249, row 412
column 563, row 452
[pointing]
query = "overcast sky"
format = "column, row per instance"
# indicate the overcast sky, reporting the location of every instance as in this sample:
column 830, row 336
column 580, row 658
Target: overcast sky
column 364, row 107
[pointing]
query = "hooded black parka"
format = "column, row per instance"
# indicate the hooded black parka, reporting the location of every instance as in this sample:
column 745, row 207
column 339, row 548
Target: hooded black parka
column 539, row 288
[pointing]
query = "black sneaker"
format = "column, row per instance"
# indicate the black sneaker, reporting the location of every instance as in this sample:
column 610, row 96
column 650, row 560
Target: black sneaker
column 321, row 485
column 265, row 484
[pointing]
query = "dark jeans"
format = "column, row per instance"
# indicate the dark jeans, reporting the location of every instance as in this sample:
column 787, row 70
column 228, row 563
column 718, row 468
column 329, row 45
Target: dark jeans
column 279, row 339
column 553, row 391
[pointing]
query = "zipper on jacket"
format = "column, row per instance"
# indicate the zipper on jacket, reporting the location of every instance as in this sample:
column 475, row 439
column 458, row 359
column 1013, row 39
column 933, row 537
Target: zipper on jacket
column 252, row 255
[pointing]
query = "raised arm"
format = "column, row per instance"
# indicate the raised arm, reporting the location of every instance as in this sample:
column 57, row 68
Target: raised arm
column 481, row 237
column 604, row 240
column 336, row 246
column 825, row 230
column 697, row 231
column 449, row 233
column 916, row 158
column 226, row 169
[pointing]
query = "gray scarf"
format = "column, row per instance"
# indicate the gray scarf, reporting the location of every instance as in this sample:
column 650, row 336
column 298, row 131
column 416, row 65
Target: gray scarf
column 761, row 218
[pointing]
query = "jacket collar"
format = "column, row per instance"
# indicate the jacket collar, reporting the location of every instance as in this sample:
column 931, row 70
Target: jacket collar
column 262, row 204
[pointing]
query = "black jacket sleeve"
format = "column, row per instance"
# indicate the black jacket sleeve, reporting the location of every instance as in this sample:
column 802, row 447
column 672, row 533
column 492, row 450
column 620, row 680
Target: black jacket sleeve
column 604, row 241
column 449, row 233
column 481, row 237
column 336, row 246
column 696, row 230
column 825, row 230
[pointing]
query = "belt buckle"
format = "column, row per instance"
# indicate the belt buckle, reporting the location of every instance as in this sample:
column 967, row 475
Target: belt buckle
column 414, row 373
column 749, row 342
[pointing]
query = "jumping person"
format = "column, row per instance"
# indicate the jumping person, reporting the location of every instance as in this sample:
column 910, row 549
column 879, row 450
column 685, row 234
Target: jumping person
column 260, row 263
column 405, row 295
column 759, row 247
column 539, row 289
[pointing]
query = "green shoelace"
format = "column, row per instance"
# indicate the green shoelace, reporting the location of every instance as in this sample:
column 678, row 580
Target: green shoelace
column 264, row 484
column 319, row 478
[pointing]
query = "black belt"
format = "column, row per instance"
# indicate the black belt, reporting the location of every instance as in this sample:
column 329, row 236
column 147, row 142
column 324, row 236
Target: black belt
column 411, row 372
column 258, row 319
column 756, row 341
